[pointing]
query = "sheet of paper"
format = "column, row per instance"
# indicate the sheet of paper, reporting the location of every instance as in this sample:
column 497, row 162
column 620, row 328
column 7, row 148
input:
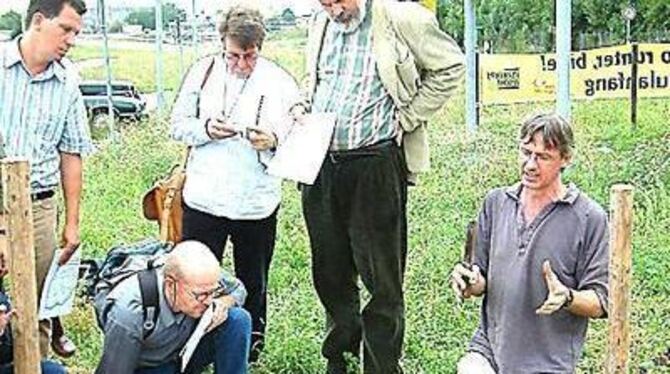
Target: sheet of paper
column 189, row 348
column 300, row 156
column 59, row 286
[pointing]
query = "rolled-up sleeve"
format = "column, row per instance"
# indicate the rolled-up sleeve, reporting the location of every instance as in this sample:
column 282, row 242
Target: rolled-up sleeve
column 593, row 266
column 233, row 287
column 76, row 138
column 187, row 126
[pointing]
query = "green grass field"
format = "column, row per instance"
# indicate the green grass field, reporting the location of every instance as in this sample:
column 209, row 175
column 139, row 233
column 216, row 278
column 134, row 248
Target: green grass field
column 464, row 168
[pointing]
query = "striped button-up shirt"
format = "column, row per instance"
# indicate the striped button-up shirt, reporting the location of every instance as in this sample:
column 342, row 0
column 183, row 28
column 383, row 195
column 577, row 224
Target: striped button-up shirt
column 349, row 86
column 41, row 116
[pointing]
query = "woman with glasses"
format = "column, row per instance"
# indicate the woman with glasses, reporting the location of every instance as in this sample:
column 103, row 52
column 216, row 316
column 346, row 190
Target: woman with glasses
column 233, row 111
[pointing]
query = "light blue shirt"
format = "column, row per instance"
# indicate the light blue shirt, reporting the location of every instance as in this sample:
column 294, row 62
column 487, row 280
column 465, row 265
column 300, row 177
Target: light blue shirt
column 227, row 178
column 41, row 116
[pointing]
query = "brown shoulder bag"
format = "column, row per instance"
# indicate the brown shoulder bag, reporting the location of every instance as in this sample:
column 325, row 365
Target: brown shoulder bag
column 163, row 201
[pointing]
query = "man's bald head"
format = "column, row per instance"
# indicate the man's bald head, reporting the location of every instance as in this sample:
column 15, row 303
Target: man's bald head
column 191, row 270
column 189, row 260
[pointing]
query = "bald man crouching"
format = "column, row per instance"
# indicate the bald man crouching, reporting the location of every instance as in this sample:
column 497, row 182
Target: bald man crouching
column 189, row 282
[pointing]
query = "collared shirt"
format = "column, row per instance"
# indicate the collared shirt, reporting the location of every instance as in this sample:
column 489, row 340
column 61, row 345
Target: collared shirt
column 348, row 85
column 124, row 348
column 572, row 233
column 227, row 178
column 41, row 116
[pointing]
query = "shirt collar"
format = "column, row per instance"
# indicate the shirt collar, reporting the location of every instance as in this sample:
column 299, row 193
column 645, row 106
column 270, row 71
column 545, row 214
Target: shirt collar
column 12, row 53
column 13, row 57
column 570, row 196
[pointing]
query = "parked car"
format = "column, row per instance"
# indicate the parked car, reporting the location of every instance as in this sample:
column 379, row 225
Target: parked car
column 127, row 102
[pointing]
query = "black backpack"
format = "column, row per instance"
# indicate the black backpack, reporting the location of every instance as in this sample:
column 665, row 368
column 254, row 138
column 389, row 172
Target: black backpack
column 122, row 262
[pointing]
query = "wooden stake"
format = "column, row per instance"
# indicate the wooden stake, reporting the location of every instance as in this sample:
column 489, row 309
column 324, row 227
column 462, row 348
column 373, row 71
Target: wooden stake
column 621, row 228
column 20, row 244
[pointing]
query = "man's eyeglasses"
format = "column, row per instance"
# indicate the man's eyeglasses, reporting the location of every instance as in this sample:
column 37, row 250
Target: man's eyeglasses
column 202, row 296
column 234, row 58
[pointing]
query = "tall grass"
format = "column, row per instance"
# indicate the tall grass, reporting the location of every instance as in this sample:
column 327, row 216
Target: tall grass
column 464, row 167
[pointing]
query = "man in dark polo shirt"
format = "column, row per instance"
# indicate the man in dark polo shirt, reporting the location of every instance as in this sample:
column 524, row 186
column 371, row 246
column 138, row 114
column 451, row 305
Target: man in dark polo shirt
column 540, row 261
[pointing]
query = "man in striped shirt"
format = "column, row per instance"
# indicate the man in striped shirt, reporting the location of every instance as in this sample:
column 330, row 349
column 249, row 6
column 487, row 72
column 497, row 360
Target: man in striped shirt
column 383, row 68
column 43, row 119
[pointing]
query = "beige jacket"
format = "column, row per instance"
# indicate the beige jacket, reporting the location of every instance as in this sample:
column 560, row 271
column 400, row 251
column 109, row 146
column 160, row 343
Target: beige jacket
column 419, row 65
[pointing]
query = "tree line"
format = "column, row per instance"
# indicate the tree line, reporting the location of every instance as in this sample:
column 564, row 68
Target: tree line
column 528, row 25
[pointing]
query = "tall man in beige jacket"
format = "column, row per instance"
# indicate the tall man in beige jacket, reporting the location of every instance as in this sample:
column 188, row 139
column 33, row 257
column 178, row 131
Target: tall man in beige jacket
column 383, row 68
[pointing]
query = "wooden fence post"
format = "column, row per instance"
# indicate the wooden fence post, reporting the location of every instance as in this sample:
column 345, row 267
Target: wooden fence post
column 621, row 227
column 20, row 244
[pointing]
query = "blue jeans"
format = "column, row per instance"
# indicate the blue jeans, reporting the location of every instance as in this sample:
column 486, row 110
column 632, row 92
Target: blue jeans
column 48, row 367
column 227, row 347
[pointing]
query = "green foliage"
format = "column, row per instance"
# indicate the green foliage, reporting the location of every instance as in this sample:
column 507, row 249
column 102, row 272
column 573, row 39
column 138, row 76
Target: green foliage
column 288, row 16
column 146, row 17
column 465, row 167
column 134, row 65
column 528, row 25
column 11, row 21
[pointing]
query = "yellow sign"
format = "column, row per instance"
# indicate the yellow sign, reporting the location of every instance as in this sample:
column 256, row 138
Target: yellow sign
column 430, row 4
column 595, row 74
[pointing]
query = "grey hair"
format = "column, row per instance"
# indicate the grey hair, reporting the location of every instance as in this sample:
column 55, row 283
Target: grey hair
column 243, row 25
column 555, row 130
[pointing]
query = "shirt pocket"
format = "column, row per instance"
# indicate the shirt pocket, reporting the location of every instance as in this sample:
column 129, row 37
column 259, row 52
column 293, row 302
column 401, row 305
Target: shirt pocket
column 46, row 136
column 563, row 257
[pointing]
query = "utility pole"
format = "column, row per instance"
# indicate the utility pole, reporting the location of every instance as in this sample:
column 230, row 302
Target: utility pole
column 159, row 56
column 194, row 25
column 471, row 115
column 181, row 48
column 563, row 49
column 108, row 68
column 628, row 15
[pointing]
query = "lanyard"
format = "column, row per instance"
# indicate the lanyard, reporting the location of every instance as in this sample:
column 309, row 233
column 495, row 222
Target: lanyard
column 235, row 100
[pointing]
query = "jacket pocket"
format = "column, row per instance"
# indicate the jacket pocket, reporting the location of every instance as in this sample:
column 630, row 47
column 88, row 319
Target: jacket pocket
column 408, row 74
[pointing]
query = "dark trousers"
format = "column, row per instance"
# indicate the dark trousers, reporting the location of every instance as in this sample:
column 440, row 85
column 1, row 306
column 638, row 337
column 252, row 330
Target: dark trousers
column 253, row 245
column 356, row 220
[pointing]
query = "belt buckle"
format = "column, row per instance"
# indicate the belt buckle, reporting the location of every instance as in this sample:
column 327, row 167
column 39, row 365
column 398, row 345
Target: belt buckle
column 333, row 158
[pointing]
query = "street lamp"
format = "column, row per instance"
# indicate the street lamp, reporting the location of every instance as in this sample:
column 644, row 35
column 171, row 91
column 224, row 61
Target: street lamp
column 628, row 13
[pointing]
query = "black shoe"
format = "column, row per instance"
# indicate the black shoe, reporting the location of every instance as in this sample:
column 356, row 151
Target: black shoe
column 257, row 345
column 336, row 366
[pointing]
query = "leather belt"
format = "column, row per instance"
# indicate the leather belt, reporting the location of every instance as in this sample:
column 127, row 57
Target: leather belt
column 371, row 150
column 42, row 195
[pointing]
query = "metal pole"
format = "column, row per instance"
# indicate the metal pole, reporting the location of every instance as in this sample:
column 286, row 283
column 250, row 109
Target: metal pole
column 633, row 86
column 194, row 25
column 563, row 48
column 159, row 56
column 108, row 68
column 181, row 49
column 471, row 115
